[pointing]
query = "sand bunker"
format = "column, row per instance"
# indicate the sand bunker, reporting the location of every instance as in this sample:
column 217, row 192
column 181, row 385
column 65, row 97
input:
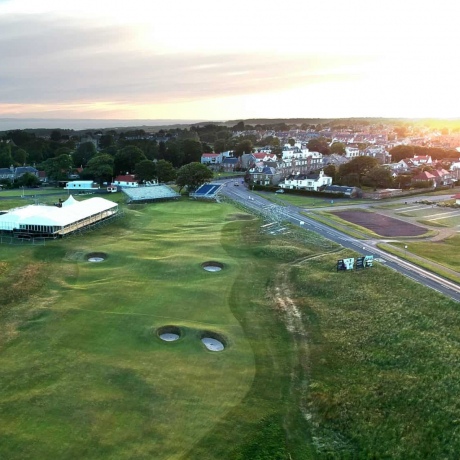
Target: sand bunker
column 96, row 257
column 169, row 333
column 213, row 341
column 212, row 344
column 168, row 337
column 212, row 266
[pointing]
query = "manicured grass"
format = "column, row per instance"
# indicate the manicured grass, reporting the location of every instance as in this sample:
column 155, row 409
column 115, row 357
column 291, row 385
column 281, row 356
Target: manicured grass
column 28, row 192
column 443, row 252
column 318, row 364
column 83, row 374
column 309, row 201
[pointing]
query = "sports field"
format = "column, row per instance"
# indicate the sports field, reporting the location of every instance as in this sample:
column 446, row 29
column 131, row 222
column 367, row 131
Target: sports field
column 430, row 214
column 310, row 369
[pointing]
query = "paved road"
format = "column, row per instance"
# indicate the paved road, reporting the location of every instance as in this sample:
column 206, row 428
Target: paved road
column 293, row 215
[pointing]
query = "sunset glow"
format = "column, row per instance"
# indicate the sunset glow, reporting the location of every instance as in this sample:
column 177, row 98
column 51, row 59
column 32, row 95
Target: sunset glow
column 192, row 60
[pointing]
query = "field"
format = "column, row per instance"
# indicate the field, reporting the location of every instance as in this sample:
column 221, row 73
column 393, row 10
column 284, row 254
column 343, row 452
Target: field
column 310, row 368
column 380, row 224
column 430, row 215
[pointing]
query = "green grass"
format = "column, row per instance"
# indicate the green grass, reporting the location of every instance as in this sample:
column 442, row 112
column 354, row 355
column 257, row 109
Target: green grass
column 309, row 201
column 84, row 374
column 319, row 364
column 28, row 192
column 382, row 354
column 443, row 252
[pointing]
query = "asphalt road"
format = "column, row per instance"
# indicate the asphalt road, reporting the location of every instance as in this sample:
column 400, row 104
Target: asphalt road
column 292, row 214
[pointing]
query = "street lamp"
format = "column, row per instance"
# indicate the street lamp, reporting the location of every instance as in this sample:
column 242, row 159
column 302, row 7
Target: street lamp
column 405, row 250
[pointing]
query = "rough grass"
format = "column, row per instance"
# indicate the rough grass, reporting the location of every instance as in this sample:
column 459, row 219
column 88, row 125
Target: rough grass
column 383, row 352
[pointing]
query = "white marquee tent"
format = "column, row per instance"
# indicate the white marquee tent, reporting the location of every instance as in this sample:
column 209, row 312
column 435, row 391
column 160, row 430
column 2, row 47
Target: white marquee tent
column 53, row 220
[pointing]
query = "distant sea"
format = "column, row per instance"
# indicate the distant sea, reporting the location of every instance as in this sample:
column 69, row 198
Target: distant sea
column 7, row 124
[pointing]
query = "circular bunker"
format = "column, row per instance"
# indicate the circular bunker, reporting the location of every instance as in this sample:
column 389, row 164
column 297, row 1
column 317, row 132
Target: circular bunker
column 169, row 333
column 212, row 266
column 96, row 256
column 213, row 341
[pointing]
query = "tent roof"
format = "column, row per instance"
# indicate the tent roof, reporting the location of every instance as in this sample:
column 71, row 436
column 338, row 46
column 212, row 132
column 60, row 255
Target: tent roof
column 71, row 211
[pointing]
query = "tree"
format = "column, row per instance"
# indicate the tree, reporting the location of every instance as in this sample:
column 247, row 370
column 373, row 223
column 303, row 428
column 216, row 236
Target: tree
column 338, row 148
column 359, row 166
column 191, row 149
column 291, row 141
column 245, row 146
column 56, row 135
column 165, row 171
column 220, row 146
column 127, row 158
column 19, row 156
column 161, row 150
column 106, row 140
column 174, row 154
column 6, row 160
column 58, row 168
column 379, row 177
column 28, row 180
column 62, row 151
column 83, row 154
column 400, row 152
column 193, row 175
column 100, row 168
column 319, row 144
column 145, row 170
column 331, row 171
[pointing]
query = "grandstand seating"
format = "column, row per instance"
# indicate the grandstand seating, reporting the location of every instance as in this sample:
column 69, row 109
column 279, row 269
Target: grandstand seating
column 151, row 193
column 206, row 191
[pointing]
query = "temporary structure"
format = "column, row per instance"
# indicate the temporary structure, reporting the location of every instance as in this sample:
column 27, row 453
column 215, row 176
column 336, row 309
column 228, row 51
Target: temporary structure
column 52, row 221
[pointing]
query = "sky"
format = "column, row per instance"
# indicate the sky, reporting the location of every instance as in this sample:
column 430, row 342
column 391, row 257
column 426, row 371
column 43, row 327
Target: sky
column 207, row 60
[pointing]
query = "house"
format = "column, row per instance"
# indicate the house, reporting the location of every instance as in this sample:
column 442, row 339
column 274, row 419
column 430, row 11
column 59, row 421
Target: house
column 7, row 173
column 425, row 176
column 442, row 177
column 349, row 192
column 312, row 181
column 247, row 160
column 12, row 173
column 21, row 170
column 43, row 177
column 126, row 180
column 420, row 160
column 334, row 159
column 265, row 156
column 264, row 175
column 351, row 152
column 211, row 158
column 229, row 164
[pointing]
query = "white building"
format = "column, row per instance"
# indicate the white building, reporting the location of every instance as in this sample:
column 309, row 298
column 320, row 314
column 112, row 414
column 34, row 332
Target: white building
column 351, row 152
column 126, row 180
column 312, row 181
column 81, row 185
column 56, row 221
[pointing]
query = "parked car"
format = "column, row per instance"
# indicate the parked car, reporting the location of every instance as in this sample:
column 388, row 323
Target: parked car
column 280, row 191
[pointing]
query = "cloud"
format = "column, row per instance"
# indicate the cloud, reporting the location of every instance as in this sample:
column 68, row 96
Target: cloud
column 45, row 61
